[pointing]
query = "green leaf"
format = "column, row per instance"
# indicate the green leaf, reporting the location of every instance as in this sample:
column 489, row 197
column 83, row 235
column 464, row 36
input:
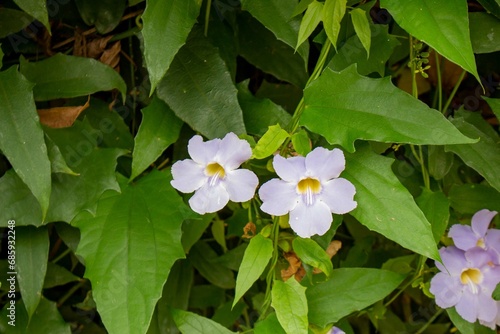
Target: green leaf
column 270, row 325
column 350, row 289
column 385, row 113
column 312, row 254
column 301, row 142
column 353, row 52
column 440, row 162
column 443, row 25
column 494, row 105
column 276, row 15
column 21, row 139
column 470, row 198
column 227, row 316
column 310, row 21
column 57, row 162
column 62, row 76
column 104, row 14
column 261, row 48
column 395, row 214
column 158, row 130
column 270, row 142
column 203, row 296
column 483, row 156
column 46, row 319
column 32, row 246
column 167, row 24
column 132, row 233
column 260, row 113
column 301, row 7
column 37, row 9
column 491, row 6
column 191, row 323
column 333, row 13
column 193, row 229
column 290, row 303
column 13, row 21
column 57, row 275
column 436, row 208
column 255, row 260
column 466, row 327
column 362, row 28
column 200, row 91
column 496, row 293
column 484, row 32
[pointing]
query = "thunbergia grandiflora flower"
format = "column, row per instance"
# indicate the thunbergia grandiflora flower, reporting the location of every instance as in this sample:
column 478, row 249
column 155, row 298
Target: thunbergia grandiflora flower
column 213, row 173
column 310, row 190
column 470, row 271
column 336, row 330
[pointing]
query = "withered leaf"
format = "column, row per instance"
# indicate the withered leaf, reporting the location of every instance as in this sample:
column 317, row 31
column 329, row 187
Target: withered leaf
column 61, row 117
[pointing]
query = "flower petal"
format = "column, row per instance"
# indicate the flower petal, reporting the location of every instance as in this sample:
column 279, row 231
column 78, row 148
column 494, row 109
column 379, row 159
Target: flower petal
column 492, row 241
column 467, row 307
column 481, row 220
column 203, row 152
column 240, row 184
column 463, row 237
column 308, row 220
column 278, row 197
column 291, row 169
column 453, row 260
column 209, row 199
column 446, row 289
column 325, row 164
column 338, row 194
column 188, row 176
column 233, row 152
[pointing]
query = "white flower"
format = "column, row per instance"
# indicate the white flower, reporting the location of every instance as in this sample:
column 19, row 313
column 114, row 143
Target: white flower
column 213, row 175
column 310, row 190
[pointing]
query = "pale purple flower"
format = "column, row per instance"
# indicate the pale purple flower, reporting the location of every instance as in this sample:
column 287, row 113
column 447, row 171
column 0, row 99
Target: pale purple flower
column 336, row 330
column 492, row 324
column 477, row 235
column 310, row 190
column 213, row 175
column 466, row 281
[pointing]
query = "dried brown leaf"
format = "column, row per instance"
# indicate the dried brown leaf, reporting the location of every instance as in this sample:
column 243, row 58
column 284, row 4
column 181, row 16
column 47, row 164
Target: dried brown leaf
column 61, row 117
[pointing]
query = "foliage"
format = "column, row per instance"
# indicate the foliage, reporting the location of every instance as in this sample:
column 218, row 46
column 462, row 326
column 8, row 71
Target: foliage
column 98, row 99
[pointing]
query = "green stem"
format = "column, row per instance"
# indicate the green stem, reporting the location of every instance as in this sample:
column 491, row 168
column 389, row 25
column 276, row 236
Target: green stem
column 71, row 292
column 453, row 92
column 439, row 83
column 431, row 320
column 270, row 274
column 207, row 16
column 62, row 255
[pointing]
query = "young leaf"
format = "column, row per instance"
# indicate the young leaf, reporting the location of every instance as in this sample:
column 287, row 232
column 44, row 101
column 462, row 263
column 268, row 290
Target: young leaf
column 62, row 76
column 134, row 232
column 309, row 22
column 444, row 25
column 158, row 130
column 385, row 113
column 351, row 289
column 270, row 142
column 362, row 28
column 57, row 275
column 290, row 303
column 494, row 105
column 21, row 139
column 105, row 15
column 269, row 325
column 483, row 156
column 311, row 253
column 255, row 260
column 436, row 208
column 301, row 7
column 200, row 91
column 37, row 9
column 167, row 24
column 333, row 13
column 395, row 214
column 191, row 323
column 301, row 142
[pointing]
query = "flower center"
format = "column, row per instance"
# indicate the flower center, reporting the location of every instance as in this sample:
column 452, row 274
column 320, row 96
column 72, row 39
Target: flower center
column 309, row 187
column 215, row 172
column 480, row 243
column 472, row 277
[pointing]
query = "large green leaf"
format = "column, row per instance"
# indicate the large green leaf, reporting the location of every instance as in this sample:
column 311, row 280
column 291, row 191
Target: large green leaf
column 159, row 129
column 133, row 234
column 261, row 48
column 470, row 198
column 494, row 105
column 276, row 15
column 12, row 21
column 290, row 303
column 167, row 24
column 385, row 113
column 260, row 113
column 32, row 246
column 104, row 14
column 46, row 319
column 255, row 260
column 353, row 52
column 484, row 32
column 350, row 289
column 466, row 327
column 37, row 9
column 436, row 208
column 21, row 135
column 393, row 214
column 444, row 25
column 483, row 156
column 62, row 76
column 491, row 6
column 269, row 325
column 191, row 323
column 200, row 90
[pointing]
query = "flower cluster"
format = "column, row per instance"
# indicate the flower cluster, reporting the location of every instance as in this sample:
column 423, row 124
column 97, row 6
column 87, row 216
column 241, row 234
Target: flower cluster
column 309, row 188
column 470, row 271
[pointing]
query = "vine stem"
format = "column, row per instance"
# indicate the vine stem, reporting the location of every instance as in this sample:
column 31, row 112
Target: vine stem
column 271, row 273
column 207, row 16
column 431, row 320
column 453, row 92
